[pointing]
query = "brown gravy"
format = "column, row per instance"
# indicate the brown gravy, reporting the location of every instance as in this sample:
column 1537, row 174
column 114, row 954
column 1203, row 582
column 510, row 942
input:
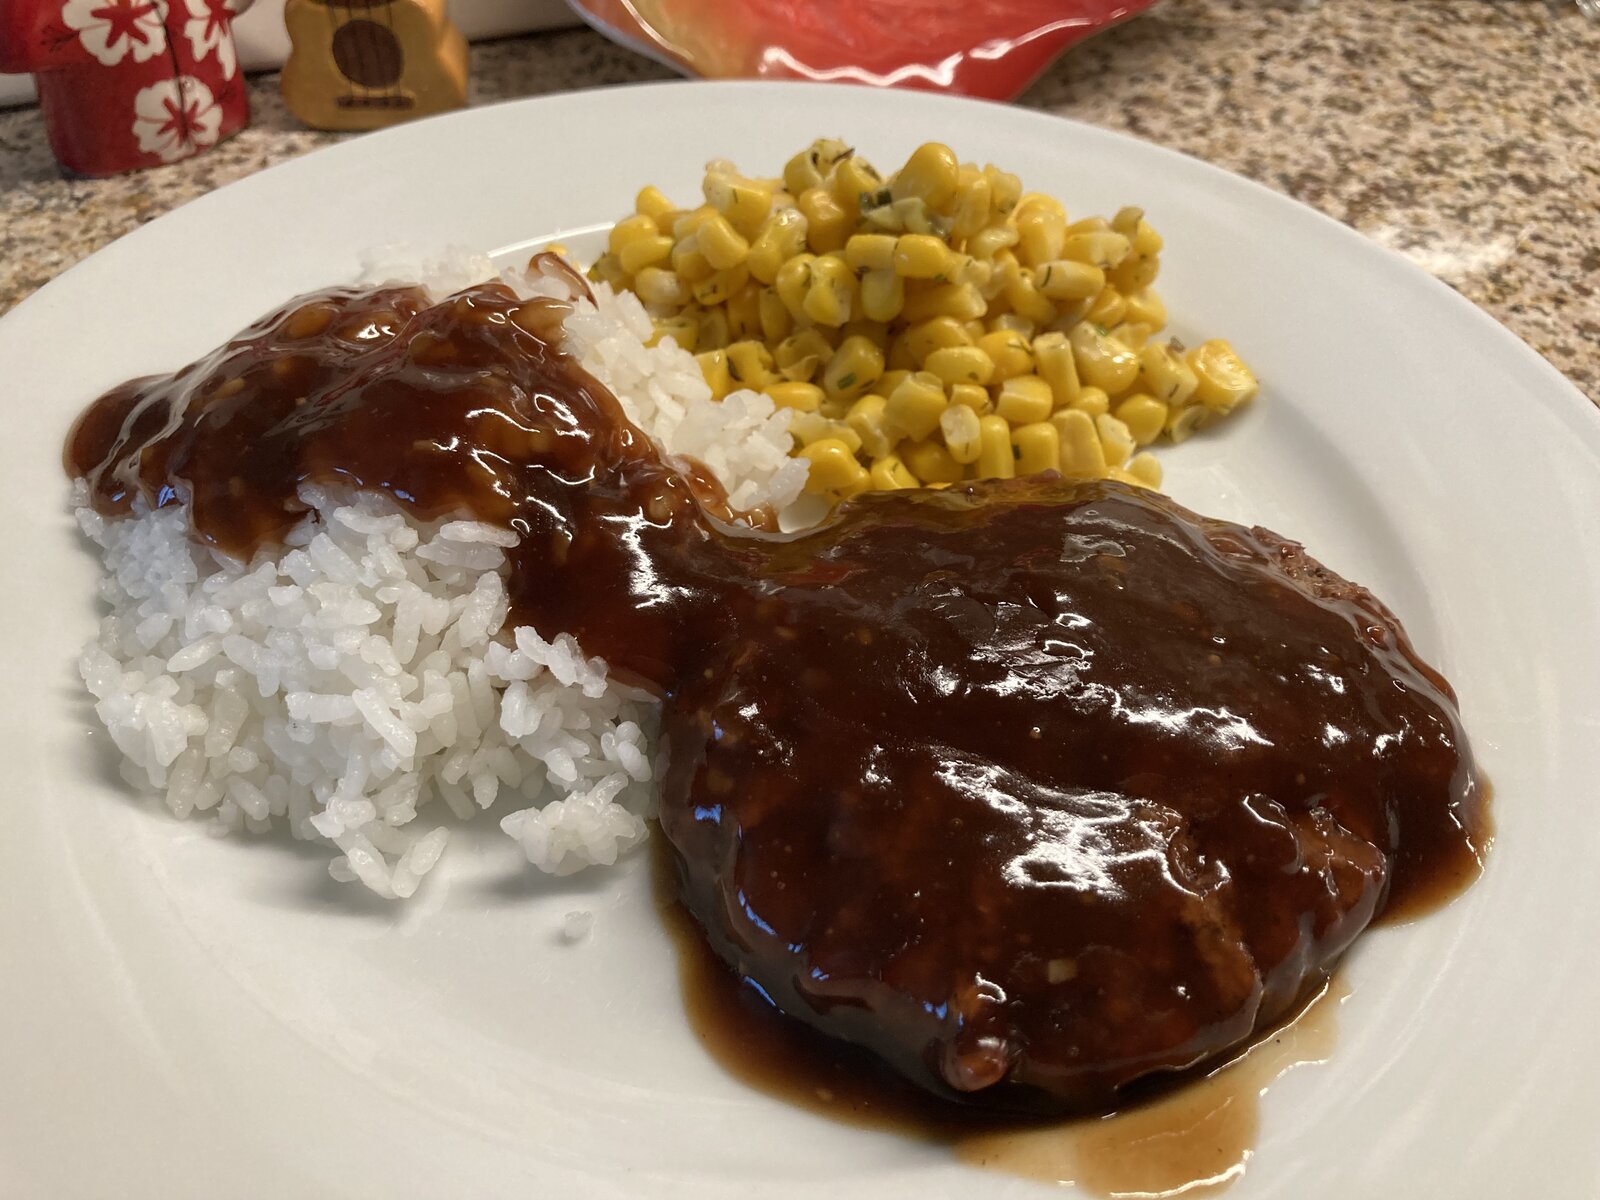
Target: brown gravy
column 1195, row 1139
column 1043, row 792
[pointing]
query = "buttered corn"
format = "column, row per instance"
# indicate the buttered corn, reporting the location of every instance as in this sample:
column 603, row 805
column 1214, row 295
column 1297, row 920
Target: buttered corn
column 936, row 325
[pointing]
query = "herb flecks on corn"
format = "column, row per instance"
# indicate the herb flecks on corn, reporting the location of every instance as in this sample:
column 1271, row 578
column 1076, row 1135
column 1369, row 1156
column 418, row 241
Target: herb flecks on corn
column 936, row 325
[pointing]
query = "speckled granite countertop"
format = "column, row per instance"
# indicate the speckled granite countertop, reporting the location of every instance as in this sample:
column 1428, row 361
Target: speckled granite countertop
column 1462, row 133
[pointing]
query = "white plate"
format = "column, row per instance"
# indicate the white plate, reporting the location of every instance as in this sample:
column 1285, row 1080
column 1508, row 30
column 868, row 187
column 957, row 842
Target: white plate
column 186, row 1016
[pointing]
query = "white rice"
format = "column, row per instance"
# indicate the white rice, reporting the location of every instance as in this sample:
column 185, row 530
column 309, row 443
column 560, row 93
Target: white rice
column 344, row 683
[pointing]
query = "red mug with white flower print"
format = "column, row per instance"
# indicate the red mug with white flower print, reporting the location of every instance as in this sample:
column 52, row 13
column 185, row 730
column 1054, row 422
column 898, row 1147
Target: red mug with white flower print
column 125, row 84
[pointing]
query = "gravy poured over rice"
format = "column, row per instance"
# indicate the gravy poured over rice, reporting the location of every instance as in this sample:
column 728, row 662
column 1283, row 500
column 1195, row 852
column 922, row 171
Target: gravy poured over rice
column 1037, row 789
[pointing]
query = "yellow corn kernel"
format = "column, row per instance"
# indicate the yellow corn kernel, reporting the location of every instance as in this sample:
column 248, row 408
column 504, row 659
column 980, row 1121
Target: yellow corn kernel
column 875, row 332
column 807, row 427
column 931, row 461
column 1024, row 400
column 1063, row 279
column 972, row 204
column 1146, row 307
column 776, row 323
column 689, row 264
column 1145, row 417
column 1091, row 401
column 1012, row 322
column 1007, row 188
column 1068, row 314
column 827, row 223
column 1164, row 374
column 975, row 330
column 744, row 312
column 684, row 224
column 1104, row 249
column 883, row 219
column 1132, row 335
column 714, row 366
column 1025, row 298
column 1108, row 308
column 800, row 354
column 751, row 366
column 883, row 294
column 833, row 465
column 1039, row 202
column 921, row 256
column 803, row 172
column 661, row 289
column 644, row 252
column 889, row 380
column 1041, row 235
column 988, row 242
column 854, row 367
column 1182, row 422
column 851, row 179
column 936, row 333
column 631, row 230
column 1126, row 222
column 996, row 458
column 1082, row 456
column 1223, row 381
column 832, row 293
column 1089, row 225
column 683, row 330
column 667, row 222
column 959, row 300
column 1136, row 272
column 889, row 474
column 962, row 431
column 932, row 173
column 914, row 407
column 607, row 269
column 783, row 237
column 744, row 203
column 713, row 327
column 1115, row 440
column 970, row 395
column 720, row 286
column 652, row 202
column 1010, row 353
column 1037, row 446
column 1145, row 239
column 978, row 272
column 1103, row 362
column 960, row 364
column 793, row 282
column 868, row 418
column 1145, row 468
column 841, row 429
column 766, row 255
column 1056, row 366
column 870, row 251
column 802, row 397
column 722, row 244
column 913, row 215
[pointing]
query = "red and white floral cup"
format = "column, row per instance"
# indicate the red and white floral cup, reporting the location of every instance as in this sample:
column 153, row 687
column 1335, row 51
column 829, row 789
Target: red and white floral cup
column 125, row 84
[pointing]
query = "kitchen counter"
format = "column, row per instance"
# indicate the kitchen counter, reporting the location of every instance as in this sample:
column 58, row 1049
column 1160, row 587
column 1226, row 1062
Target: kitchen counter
column 1460, row 133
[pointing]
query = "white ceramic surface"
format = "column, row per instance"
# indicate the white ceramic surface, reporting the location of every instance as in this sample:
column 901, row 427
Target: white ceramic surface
column 192, row 1017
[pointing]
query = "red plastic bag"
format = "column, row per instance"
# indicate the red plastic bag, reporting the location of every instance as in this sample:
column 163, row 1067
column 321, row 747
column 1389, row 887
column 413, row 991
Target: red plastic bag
column 988, row 48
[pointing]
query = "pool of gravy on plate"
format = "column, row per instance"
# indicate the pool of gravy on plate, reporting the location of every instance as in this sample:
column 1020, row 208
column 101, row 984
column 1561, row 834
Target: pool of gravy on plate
column 1042, row 793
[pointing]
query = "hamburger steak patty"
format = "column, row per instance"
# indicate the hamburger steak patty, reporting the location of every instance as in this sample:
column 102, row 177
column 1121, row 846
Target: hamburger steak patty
column 1037, row 789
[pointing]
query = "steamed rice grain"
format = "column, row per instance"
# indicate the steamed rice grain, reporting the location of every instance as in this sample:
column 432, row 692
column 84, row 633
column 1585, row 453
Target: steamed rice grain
column 357, row 680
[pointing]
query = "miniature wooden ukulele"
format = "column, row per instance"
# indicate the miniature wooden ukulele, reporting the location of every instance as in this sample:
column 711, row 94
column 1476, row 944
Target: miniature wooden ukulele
column 360, row 64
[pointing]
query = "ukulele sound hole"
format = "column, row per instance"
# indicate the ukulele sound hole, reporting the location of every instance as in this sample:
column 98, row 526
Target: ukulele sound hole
column 368, row 54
